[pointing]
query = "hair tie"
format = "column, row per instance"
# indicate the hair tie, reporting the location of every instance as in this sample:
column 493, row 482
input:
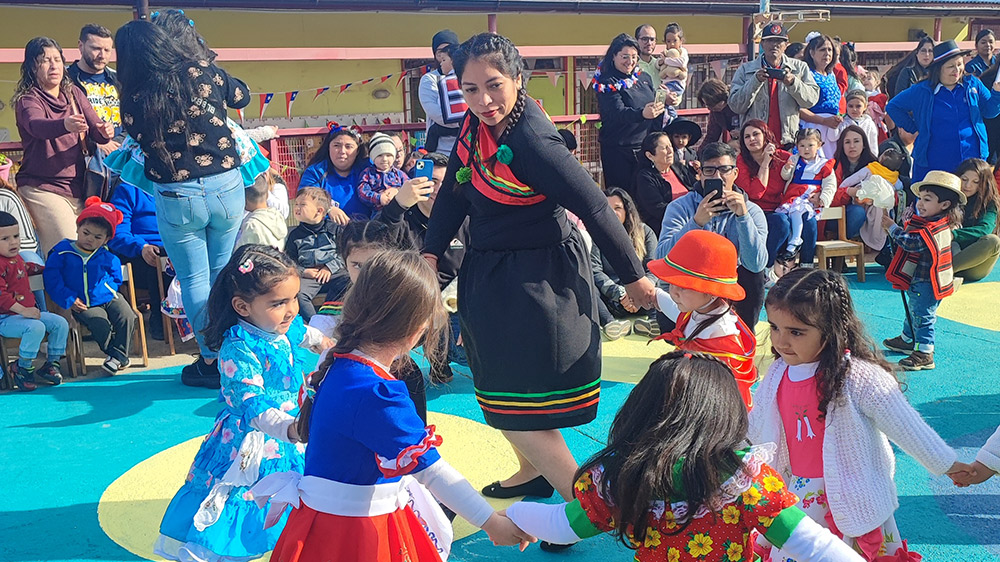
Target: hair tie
column 246, row 266
column 847, row 355
column 688, row 356
column 191, row 23
column 504, row 154
column 154, row 15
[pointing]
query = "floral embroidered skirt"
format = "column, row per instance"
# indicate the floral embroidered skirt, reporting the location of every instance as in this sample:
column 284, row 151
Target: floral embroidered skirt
column 812, row 499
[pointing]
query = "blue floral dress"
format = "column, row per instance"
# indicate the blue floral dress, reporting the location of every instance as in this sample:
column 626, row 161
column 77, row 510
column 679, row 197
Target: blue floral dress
column 213, row 516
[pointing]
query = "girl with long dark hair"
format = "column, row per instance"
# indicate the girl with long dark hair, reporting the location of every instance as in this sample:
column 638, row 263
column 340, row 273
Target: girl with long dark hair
column 978, row 245
column 678, row 481
column 56, row 123
column 911, row 69
column 174, row 105
column 527, row 270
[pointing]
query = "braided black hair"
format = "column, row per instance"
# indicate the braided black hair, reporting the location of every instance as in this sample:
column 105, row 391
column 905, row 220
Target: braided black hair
column 820, row 298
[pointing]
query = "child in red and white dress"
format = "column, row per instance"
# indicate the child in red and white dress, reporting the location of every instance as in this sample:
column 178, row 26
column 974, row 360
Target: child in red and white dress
column 831, row 403
column 811, row 186
column 714, row 499
column 372, row 464
column 701, row 272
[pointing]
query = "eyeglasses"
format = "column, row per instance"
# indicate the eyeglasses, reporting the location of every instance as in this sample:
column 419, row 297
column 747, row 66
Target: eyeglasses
column 709, row 171
column 648, row 39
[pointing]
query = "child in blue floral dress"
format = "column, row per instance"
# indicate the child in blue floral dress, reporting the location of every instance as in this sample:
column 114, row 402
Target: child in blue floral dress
column 254, row 324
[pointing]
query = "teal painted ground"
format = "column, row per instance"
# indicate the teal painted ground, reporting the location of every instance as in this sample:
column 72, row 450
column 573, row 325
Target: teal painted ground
column 63, row 446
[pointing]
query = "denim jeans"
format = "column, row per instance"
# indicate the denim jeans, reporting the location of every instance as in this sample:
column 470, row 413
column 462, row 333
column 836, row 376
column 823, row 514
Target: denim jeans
column 779, row 231
column 32, row 332
column 923, row 315
column 855, row 217
column 198, row 221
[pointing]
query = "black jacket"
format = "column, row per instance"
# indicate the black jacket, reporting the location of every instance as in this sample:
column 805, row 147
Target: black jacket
column 415, row 223
column 315, row 245
column 622, row 123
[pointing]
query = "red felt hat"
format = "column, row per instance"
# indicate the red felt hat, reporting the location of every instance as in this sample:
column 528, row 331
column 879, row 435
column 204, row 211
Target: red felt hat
column 702, row 261
column 94, row 208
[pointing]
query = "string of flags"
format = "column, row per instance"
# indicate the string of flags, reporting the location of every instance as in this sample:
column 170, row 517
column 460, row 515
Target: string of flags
column 583, row 77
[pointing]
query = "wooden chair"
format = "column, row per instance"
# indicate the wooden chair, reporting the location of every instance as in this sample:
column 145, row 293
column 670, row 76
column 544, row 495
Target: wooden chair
column 168, row 324
column 841, row 247
column 6, row 379
column 138, row 338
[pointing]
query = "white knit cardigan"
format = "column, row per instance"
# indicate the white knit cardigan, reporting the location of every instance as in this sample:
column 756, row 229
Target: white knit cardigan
column 858, row 463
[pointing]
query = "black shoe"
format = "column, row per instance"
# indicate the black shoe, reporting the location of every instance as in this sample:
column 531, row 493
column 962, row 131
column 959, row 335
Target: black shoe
column 201, row 374
column 442, row 375
column 787, row 256
column 539, row 487
column 155, row 327
column 547, row 546
column 899, row 345
column 25, row 381
column 50, row 373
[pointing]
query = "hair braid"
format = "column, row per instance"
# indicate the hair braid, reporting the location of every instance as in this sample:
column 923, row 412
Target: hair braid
column 515, row 114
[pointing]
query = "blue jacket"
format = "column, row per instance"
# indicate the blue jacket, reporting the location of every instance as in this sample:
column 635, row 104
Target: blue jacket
column 342, row 190
column 138, row 226
column 748, row 233
column 69, row 275
column 911, row 110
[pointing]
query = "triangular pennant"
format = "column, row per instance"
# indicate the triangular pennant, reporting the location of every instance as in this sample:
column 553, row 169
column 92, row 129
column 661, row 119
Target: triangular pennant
column 719, row 68
column 289, row 100
column 344, row 87
column 321, row 91
column 240, row 113
column 365, row 81
column 553, row 77
column 581, row 77
column 384, row 78
column 264, row 100
column 402, row 75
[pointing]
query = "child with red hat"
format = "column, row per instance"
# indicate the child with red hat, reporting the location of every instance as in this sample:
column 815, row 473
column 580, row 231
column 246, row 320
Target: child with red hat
column 83, row 276
column 701, row 272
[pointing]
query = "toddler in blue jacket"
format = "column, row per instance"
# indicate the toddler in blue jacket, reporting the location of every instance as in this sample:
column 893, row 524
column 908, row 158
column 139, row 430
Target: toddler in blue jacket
column 83, row 276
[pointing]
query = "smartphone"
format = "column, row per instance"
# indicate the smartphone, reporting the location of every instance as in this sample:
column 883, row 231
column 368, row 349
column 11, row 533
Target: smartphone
column 423, row 169
column 661, row 96
column 776, row 73
column 710, row 186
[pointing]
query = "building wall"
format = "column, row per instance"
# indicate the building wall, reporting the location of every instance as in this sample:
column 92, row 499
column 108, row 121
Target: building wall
column 308, row 29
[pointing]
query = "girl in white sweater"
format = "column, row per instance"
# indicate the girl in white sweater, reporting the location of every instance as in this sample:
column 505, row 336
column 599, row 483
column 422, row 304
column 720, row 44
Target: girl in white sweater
column 829, row 402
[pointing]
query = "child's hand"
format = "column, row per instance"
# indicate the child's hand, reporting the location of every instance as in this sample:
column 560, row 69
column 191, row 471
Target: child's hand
column 628, row 305
column 78, row 306
column 815, row 201
column 387, row 195
column 887, row 222
column 322, row 274
column 976, row 473
column 503, row 532
column 338, row 216
column 32, row 312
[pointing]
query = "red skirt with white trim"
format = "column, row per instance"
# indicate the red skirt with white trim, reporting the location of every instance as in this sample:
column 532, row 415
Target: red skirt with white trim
column 314, row 536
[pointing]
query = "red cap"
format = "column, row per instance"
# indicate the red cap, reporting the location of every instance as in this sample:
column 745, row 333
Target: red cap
column 94, row 208
column 702, row 261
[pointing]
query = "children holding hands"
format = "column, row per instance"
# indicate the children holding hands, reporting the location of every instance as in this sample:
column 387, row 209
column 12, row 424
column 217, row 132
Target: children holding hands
column 83, row 277
column 20, row 316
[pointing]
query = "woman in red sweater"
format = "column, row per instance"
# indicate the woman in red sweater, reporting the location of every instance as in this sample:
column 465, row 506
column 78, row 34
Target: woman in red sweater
column 759, row 175
column 54, row 118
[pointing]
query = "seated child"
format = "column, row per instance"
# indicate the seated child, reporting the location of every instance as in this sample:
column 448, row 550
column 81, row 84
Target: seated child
column 857, row 107
column 83, row 276
column 11, row 203
column 21, row 318
column 887, row 168
column 684, row 134
column 811, row 186
column 380, row 181
column 264, row 224
column 921, row 265
column 312, row 245
column 678, row 481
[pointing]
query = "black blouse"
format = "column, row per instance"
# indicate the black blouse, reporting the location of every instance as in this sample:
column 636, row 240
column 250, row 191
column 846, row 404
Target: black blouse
column 622, row 123
column 542, row 162
column 200, row 145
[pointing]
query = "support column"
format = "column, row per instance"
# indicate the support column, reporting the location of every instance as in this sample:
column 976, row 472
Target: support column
column 491, row 23
column 937, row 30
column 141, row 11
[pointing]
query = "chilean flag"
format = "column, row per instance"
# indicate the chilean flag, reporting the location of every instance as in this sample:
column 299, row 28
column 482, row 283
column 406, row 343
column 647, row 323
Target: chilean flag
column 289, row 100
column 264, row 100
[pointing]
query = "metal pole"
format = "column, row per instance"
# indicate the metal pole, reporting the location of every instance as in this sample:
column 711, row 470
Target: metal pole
column 142, row 9
column 491, row 23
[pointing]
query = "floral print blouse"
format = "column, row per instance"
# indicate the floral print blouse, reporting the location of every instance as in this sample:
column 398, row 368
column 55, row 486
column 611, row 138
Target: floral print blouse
column 201, row 143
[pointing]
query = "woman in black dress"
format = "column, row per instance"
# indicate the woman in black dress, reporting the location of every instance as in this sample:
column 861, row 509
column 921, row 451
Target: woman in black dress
column 528, row 311
column 626, row 99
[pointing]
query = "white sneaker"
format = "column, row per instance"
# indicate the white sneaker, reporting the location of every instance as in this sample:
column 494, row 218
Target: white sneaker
column 111, row 365
column 616, row 329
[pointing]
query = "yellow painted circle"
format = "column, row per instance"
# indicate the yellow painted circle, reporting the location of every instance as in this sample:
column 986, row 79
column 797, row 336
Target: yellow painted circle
column 132, row 506
column 969, row 305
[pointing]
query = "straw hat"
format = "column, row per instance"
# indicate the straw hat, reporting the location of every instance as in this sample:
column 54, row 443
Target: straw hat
column 702, row 261
column 944, row 180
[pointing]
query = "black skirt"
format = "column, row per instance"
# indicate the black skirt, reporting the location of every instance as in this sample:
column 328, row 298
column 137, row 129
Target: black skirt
column 529, row 326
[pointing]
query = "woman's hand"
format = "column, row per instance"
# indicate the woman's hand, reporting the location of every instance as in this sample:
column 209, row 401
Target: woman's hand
column 503, row 532
column 150, row 255
column 109, row 129
column 652, row 110
column 338, row 216
column 642, row 292
column 833, row 121
column 768, row 152
column 76, row 124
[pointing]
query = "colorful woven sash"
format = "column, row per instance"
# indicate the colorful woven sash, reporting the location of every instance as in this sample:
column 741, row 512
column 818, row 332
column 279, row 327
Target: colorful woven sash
column 495, row 180
column 937, row 235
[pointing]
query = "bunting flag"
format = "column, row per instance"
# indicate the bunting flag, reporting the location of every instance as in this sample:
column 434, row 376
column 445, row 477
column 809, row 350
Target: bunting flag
column 367, row 80
column 344, row 87
column 582, row 78
column 289, row 100
column 321, row 91
column 719, row 68
column 401, row 77
column 240, row 113
column 264, row 100
column 384, row 78
column 553, row 77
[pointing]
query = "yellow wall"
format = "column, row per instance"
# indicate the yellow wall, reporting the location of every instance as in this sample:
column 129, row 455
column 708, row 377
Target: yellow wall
column 309, row 29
